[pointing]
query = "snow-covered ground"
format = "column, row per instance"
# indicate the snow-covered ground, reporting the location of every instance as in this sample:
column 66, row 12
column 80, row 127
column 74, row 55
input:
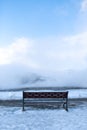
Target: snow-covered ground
column 12, row 118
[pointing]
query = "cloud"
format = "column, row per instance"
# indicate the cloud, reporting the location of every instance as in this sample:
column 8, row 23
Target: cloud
column 66, row 53
column 84, row 6
column 18, row 52
column 66, row 57
column 51, row 54
column 4, row 56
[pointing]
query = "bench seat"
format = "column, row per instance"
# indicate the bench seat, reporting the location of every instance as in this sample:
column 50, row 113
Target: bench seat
column 46, row 97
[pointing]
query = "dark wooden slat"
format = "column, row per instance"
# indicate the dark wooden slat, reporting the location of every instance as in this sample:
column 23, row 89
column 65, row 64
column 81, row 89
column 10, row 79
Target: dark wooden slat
column 45, row 94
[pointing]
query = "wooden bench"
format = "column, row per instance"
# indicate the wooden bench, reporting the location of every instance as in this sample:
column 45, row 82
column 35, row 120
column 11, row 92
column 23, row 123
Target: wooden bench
column 60, row 96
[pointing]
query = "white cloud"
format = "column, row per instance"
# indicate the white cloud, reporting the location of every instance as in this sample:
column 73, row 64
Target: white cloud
column 68, row 53
column 66, row 57
column 84, row 5
column 18, row 52
column 50, row 54
column 5, row 56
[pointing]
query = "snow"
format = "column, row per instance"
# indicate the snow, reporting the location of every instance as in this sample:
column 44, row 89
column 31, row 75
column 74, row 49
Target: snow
column 73, row 93
column 12, row 118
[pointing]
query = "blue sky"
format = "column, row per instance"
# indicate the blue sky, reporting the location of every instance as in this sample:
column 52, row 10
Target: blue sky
column 38, row 18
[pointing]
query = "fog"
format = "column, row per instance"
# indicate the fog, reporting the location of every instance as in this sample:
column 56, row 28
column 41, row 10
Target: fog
column 20, row 76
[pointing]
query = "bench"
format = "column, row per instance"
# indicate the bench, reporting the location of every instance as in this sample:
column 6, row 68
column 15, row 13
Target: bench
column 56, row 96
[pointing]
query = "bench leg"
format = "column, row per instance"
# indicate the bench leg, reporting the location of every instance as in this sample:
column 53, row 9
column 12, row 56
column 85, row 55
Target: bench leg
column 23, row 105
column 23, row 108
column 65, row 106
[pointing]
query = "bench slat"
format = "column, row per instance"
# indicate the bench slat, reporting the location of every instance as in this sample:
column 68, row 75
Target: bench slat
column 45, row 94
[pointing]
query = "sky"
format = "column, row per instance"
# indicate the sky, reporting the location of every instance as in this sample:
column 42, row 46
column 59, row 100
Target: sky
column 44, row 35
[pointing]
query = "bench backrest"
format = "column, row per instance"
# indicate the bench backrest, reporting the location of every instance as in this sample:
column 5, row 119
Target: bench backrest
column 45, row 94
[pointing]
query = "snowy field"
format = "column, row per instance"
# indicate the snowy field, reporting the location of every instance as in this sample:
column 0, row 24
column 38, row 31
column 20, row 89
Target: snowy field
column 12, row 118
